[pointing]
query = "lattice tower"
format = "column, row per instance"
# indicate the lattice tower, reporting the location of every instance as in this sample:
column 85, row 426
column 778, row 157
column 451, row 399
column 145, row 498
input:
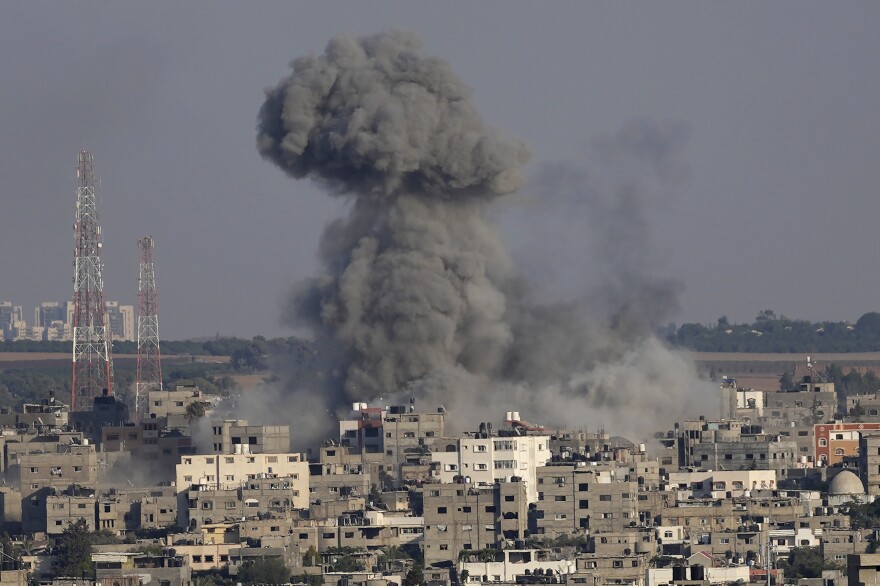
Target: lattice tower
column 149, row 361
column 92, row 360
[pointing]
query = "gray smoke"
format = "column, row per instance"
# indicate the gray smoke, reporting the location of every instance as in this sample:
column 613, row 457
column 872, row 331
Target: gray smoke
column 419, row 294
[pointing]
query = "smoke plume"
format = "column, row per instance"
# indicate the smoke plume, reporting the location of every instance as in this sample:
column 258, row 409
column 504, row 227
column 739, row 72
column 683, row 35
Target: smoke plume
column 418, row 294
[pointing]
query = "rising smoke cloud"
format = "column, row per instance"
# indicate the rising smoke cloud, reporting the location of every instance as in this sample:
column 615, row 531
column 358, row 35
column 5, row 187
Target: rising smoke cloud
column 418, row 293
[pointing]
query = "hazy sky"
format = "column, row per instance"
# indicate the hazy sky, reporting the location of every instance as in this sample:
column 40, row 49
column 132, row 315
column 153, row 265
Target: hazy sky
column 780, row 208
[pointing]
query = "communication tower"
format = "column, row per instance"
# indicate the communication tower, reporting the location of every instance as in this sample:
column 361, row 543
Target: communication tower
column 92, row 361
column 149, row 363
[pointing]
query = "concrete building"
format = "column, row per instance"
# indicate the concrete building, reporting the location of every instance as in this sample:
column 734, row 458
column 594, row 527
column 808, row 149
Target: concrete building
column 236, row 436
column 869, row 462
column 42, row 473
column 273, row 495
column 9, row 315
column 837, row 544
column 399, row 434
column 231, row 472
column 461, row 517
column 67, row 507
column 863, row 569
column 485, row 460
column 722, row 483
column 576, row 498
column 518, row 566
column 121, row 321
column 332, row 481
column 836, row 441
column 49, row 312
column 156, row 450
column 171, row 405
column 113, row 568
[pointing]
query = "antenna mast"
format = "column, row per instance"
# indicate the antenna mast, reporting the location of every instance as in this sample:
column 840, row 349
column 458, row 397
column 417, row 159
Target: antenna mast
column 92, row 362
column 149, row 363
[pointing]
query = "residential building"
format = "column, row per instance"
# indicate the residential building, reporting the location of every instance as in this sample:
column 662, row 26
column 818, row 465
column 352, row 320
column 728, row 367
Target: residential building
column 230, row 472
column 462, row 517
column 236, row 436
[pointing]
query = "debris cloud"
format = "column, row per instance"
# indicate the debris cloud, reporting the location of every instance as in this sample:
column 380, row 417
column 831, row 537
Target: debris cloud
column 418, row 294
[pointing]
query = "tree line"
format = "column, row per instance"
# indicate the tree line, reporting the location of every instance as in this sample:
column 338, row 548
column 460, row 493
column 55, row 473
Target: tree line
column 770, row 333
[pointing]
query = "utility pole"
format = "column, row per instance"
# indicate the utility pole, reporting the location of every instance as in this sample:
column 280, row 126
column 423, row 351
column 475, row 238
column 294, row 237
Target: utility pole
column 149, row 361
column 92, row 361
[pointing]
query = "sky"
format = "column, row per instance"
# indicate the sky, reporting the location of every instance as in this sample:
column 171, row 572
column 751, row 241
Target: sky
column 778, row 208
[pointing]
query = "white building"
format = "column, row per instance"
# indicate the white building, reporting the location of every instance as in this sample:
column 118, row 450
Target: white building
column 516, row 563
column 722, row 483
column 485, row 460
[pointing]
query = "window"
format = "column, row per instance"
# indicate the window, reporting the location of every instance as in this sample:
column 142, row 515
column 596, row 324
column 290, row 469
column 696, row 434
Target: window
column 583, row 487
column 441, row 510
column 605, row 497
column 584, row 504
column 617, row 563
column 490, row 509
column 823, row 442
column 465, row 509
column 509, row 498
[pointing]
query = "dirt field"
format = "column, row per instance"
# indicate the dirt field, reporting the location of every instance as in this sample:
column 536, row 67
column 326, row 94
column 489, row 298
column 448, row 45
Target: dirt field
column 57, row 359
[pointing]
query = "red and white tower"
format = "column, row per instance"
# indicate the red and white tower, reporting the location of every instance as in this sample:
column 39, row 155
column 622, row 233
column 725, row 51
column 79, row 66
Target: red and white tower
column 149, row 362
column 92, row 362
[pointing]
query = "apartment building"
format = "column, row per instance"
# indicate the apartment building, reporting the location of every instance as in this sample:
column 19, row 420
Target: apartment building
column 869, row 462
column 236, row 436
column 230, row 472
column 576, row 498
column 483, row 459
column 171, row 405
column 332, row 481
column 69, row 506
column 461, row 517
column 42, row 472
column 260, row 495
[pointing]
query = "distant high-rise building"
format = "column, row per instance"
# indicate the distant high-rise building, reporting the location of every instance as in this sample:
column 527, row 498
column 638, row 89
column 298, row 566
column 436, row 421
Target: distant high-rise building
column 50, row 311
column 10, row 318
column 120, row 318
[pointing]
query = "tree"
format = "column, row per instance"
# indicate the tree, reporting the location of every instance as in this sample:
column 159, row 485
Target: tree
column 786, row 382
column 267, row 570
column 806, row 562
column 310, row 558
column 76, row 550
column 196, row 410
column 414, row 577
